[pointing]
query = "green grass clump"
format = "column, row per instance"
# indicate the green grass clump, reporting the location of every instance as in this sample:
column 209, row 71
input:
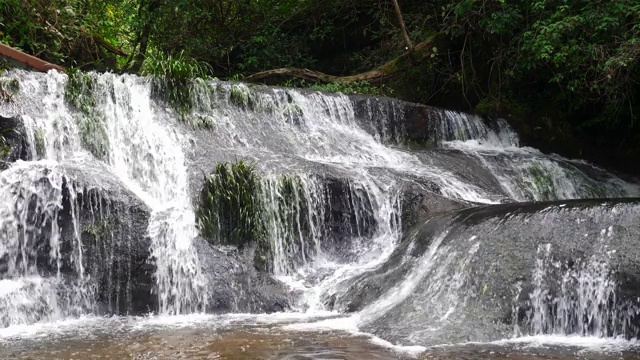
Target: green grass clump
column 171, row 78
column 237, row 208
column 231, row 209
column 80, row 94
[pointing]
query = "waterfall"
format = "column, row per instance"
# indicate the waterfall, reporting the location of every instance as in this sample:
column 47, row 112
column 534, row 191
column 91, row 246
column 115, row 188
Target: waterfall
column 32, row 201
column 525, row 174
column 112, row 117
column 103, row 208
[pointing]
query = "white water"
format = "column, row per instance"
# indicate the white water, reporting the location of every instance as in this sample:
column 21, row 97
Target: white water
column 283, row 131
column 143, row 152
column 586, row 303
column 31, row 201
column 524, row 173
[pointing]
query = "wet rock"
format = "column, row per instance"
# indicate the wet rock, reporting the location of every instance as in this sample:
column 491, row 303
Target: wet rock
column 419, row 203
column 78, row 223
column 477, row 274
column 395, row 121
column 348, row 213
column 113, row 226
column 16, row 146
column 235, row 286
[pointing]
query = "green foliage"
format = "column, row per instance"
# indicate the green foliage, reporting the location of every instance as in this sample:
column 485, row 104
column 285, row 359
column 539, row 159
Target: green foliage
column 573, row 53
column 68, row 32
column 172, row 77
column 9, row 87
column 231, row 209
column 573, row 63
column 79, row 93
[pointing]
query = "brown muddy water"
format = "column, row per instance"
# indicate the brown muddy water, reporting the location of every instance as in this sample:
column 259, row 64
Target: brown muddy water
column 152, row 339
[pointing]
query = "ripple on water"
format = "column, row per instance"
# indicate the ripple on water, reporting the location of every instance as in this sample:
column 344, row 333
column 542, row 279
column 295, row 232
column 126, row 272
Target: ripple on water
column 277, row 336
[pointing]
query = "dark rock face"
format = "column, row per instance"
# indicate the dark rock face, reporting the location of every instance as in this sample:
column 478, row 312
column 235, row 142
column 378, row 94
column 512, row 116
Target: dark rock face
column 12, row 129
column 101, row 229
column 113, row 224
column 396, row 121
column 564, row 267
column 348, row 214
column 234, row 283
column 418, row 203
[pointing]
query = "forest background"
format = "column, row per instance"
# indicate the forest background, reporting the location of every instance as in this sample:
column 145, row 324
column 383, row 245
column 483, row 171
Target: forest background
column 565, row 73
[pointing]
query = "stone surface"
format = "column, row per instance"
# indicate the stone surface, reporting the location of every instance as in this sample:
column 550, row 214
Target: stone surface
column 12, row 129
column 234, row 284
column 478, row 272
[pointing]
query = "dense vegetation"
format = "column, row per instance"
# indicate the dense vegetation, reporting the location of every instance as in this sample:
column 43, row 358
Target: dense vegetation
column 566, row 72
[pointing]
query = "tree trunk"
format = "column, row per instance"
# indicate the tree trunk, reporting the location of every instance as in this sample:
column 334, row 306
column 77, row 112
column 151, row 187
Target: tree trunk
column 405, row 34
column 144, row 35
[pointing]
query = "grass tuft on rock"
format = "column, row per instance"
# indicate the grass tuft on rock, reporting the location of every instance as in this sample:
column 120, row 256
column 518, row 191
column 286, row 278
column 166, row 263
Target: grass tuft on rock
column 172, row 76
column 231, row 209
column 238, row 208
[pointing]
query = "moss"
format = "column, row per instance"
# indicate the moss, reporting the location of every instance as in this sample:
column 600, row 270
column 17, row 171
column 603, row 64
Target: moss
column 79, row 93
column 542, row 181
column 201, row 121
column 9, row 87
column 230, row 209
column 101, row 228
column 421, row 144
column 94, row 136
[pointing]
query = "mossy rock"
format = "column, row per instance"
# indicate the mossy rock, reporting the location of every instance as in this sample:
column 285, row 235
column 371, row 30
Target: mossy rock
column 79, row 93
column 9, row 87
column 233, row 210
column 230, row 211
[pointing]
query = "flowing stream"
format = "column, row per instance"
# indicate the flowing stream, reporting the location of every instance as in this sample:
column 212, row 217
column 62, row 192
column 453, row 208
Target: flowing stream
column 101, row 255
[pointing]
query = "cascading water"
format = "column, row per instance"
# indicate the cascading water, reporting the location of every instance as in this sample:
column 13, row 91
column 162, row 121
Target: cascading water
column 113, row 118
column 32, row 201
column 524, row 173
column 336, row 183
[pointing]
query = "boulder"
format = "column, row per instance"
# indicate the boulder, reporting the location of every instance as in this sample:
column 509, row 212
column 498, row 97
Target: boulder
column 235, row 286
column 16, row 145
column 483, row 273
column 81, row 224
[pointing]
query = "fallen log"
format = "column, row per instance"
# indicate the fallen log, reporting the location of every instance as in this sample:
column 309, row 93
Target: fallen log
column 404, row 62
column 28, row 60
